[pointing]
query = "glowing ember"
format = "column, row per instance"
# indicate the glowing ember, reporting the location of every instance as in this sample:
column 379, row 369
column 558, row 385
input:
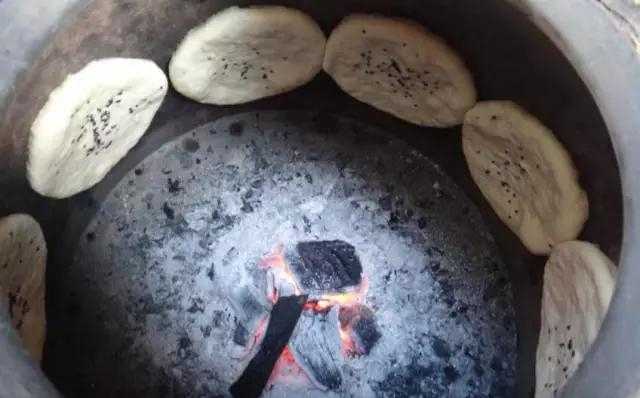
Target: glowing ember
column 348, row 344
column 275, row 259
column 359, row 332
column 259, row 334
column 280, row 279
column 287, row 370
column 287, row 357
column 281, row 282
column 342, row 300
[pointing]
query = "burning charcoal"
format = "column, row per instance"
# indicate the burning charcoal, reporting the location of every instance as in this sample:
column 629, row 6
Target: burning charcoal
column 316, row 346
column 359, row 329
column 326, row 266
column 284, row 317
column 280, row 283
column 280, row 280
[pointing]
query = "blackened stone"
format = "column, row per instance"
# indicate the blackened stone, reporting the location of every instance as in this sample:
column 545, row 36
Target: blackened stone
column 326, row 265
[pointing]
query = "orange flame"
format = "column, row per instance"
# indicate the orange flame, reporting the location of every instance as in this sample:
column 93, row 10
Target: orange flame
column 327, row 301
column 276, row 262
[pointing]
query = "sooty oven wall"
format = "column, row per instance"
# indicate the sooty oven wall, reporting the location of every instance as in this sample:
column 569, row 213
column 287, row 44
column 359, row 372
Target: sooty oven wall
column 509, row 58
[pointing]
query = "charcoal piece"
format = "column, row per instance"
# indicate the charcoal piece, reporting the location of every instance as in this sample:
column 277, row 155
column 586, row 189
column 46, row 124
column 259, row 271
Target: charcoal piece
column 283, row 320
column 316, row 347
column 326, row 265
column 248, row 312
column 246, row 305
column 241, row 335
column 359, row 323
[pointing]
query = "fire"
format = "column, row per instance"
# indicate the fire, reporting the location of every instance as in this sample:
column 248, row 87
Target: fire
column 279, row 276
column 287, row 357
column 281, row 281
column 287, row 370
column 348, row 344
column 328, row 301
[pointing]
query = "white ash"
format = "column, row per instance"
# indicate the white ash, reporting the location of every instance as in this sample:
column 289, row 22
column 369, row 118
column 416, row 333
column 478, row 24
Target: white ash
column 179, row 269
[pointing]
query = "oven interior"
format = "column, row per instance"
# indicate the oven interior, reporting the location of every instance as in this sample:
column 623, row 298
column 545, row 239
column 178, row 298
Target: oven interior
column 209, row 188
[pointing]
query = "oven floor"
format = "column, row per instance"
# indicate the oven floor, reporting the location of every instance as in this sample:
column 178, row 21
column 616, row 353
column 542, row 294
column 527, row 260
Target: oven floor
column 152, row 302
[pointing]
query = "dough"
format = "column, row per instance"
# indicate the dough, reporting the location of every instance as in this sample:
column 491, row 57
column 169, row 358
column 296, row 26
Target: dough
column 578, row 284
column 397, row 66
column 525, row 174
column 90, row 122
column 23, row 258
column 243, row 54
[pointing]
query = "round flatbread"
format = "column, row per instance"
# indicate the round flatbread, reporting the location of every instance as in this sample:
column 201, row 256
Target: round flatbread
column 525, row 173
column 243, row 54
column 399, row 67
column 23, row 257
column 90, row 122
column 578, row 284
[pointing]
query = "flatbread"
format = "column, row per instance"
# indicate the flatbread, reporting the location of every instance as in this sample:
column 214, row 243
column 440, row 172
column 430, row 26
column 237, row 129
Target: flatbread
column 23, row 257
column 579, row 281
column 399, row 67
column 525, row 173
column 243, row 54
column 90, row 122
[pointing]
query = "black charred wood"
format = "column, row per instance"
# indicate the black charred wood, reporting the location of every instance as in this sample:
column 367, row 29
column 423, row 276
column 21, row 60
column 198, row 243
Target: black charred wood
column 283, row 320
column 326, row 266
column 360, row 323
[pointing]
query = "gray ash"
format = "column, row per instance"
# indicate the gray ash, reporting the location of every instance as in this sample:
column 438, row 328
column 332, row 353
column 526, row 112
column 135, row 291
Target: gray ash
column 181, row 295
